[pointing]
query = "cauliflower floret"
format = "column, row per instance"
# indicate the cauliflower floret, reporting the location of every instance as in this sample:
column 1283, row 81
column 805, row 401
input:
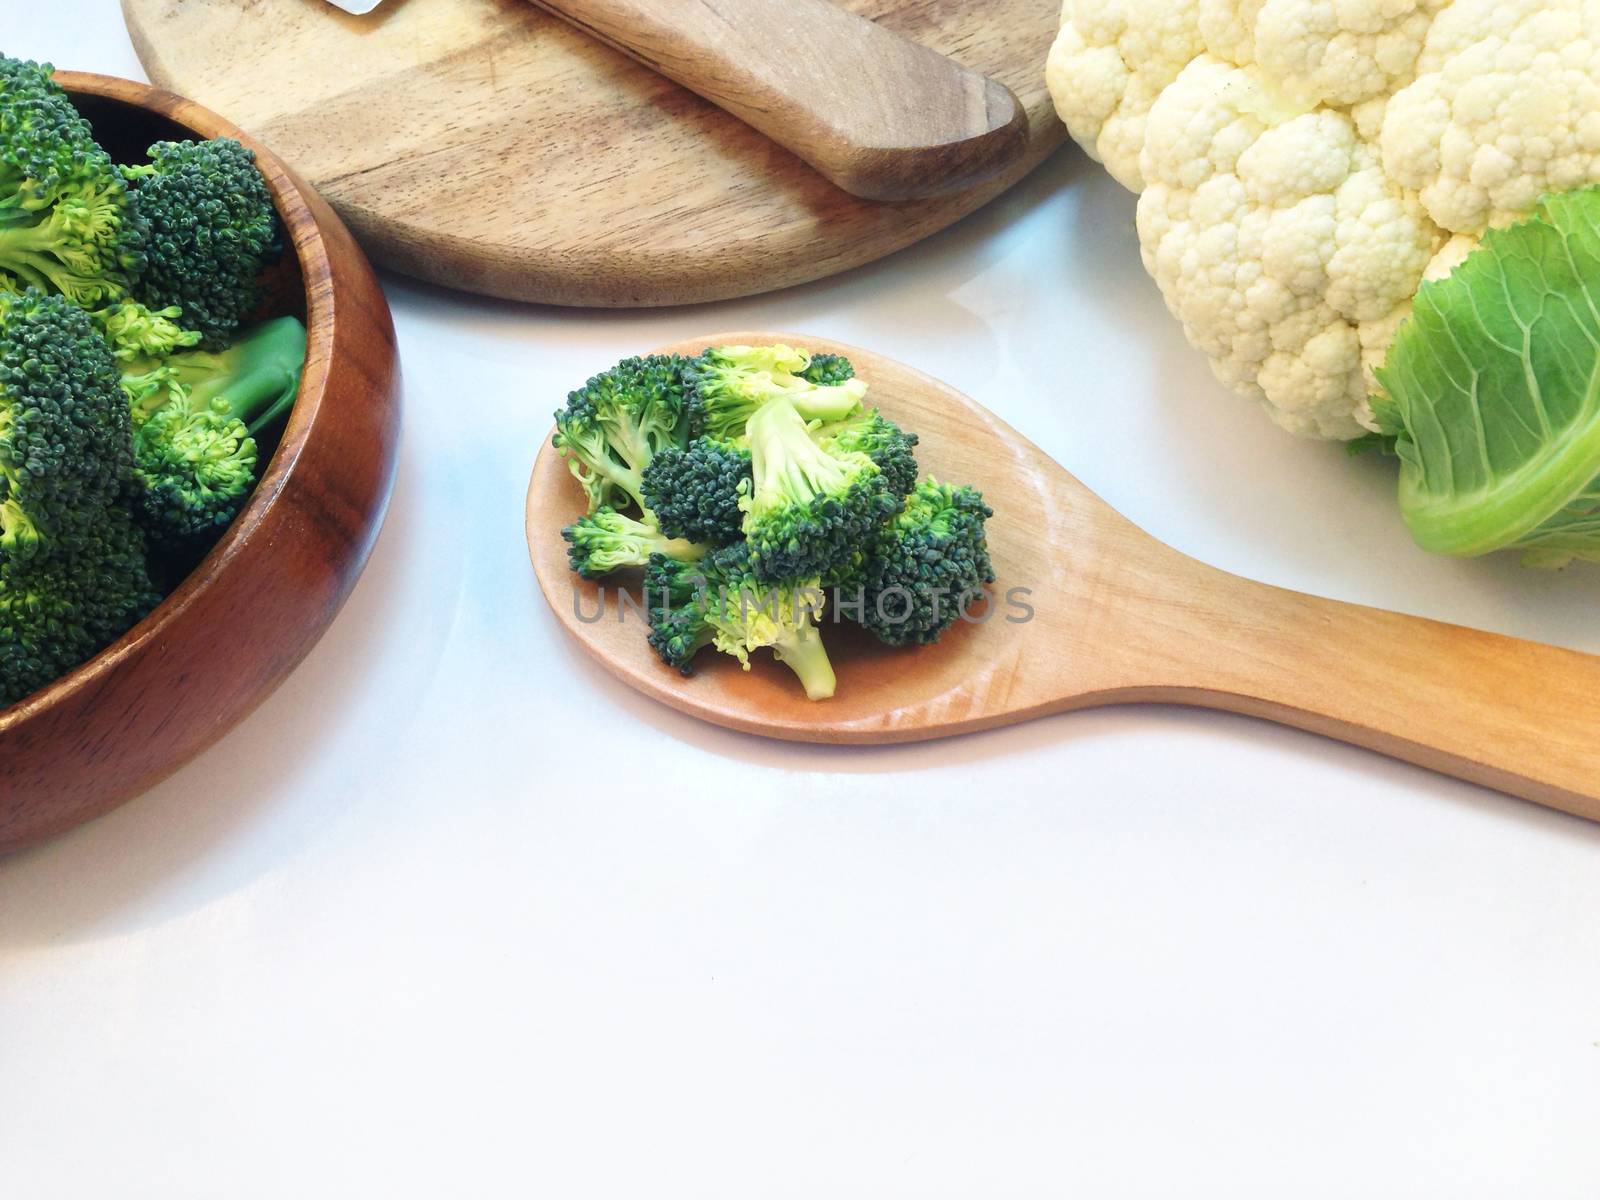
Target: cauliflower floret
column 1505, row 108
column 1228, row 28
column 1112, row 60
column 1273, row 234
column 1337, row 52
column 1304, row 163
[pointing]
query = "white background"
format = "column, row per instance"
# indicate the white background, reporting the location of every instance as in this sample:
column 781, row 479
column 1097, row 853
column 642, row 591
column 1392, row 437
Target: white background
column 454, row 914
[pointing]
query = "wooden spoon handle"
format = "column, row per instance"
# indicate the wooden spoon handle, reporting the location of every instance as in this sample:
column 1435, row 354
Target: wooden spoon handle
column 881, row 116
column 1517, row 716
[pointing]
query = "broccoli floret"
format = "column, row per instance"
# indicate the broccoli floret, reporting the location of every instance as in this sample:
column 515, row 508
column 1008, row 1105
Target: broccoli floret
column 60, row 609
column 64, row 447
column 67, row 224
column 727, row 385
column 616, row 423
column 196, row 415
column 135, row 332
column 694, row 492
column 923, row 566
column 72, row 567
column 606, row 540
column 674, row 596
column 829, row 369
column 881, row 440
column 212, row 228
column 808, row 508
column 719, row 602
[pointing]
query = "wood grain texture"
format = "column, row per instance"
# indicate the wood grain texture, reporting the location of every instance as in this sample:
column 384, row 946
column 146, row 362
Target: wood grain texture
column 1118, row 618
column 877, row 114
column 487, row 145
column 258, row 602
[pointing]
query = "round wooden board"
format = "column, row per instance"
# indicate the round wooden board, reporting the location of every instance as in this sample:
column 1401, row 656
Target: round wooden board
column 485, row 145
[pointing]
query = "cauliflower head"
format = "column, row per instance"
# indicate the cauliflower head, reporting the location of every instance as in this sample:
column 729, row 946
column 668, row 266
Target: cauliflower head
column 1303, row 165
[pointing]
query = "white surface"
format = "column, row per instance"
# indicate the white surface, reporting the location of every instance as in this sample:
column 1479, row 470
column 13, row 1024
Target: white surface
column 456, row 915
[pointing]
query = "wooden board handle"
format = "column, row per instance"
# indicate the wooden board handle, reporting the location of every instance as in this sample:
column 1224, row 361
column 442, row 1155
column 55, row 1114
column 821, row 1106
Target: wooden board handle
column 1514, row 715
column 881, row 116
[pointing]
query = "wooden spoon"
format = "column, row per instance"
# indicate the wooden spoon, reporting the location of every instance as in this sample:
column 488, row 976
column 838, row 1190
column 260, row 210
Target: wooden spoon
column 879, row 115
column 1117, row 618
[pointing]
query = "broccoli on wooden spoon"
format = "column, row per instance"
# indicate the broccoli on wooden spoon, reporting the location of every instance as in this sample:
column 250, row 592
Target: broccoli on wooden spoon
column 721, row 602
column 727, row 385
column 616, row 423
column 809, row 507
column 694, row 492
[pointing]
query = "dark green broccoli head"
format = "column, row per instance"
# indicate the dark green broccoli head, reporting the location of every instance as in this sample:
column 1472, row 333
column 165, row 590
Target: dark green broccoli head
column 61, row 608
column 881, row 440
column 615, row 424
column 64, row 443
column 606, row 540
column 194, row 471
column 212, row 227
column 828, row 369
column 923, row 566
column 675, row 595
column 72, row 566
column 809, row 508
column 694, row 492
column 67, row 224
column 727, row 385
column 720, row 602
column 195, row 416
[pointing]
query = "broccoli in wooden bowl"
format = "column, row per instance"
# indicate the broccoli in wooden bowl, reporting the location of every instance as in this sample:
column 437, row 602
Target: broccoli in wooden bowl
column 198, row 423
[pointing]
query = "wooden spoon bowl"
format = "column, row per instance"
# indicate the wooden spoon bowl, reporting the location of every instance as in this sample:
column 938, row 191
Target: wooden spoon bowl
column 252, row 609
column 1112, row 617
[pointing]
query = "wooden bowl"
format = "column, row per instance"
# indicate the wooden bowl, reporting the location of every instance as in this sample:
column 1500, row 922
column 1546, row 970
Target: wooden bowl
column 252, row 609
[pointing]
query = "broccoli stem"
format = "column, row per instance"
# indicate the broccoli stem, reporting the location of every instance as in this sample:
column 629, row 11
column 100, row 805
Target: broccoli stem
column 834, row 402
column 786, row 464
column 268, row 362
column 34, row 236
column 804, row 654
column 25, row 252
column 607, row 469
column 630, row 442
column 256, row 378
column 631, row 482
column 681, row 549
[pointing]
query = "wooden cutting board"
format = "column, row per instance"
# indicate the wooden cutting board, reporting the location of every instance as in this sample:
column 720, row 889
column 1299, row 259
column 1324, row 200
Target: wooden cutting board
column 485, row 145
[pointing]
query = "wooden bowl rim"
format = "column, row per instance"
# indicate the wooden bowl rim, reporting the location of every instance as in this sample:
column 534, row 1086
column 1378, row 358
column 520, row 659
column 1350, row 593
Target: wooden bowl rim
column 306, row 240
